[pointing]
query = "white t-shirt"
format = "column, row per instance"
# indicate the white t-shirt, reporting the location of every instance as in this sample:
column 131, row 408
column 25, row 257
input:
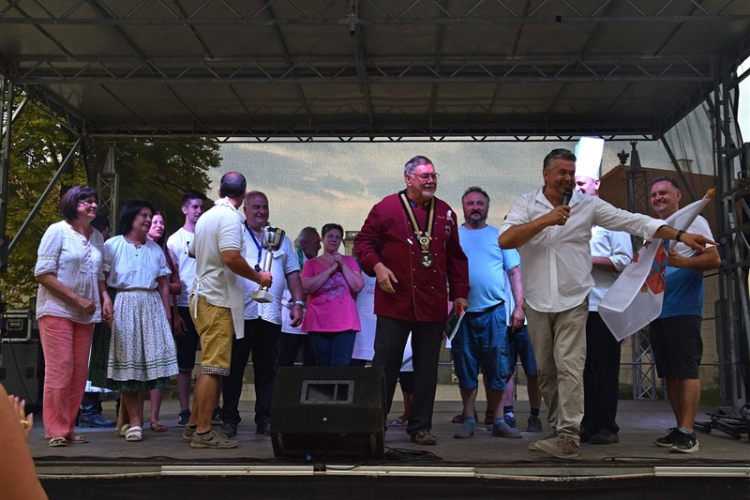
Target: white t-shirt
column 284, row 262
column 178, row 244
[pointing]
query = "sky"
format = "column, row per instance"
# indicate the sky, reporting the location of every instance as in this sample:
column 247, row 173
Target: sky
column 310, row 184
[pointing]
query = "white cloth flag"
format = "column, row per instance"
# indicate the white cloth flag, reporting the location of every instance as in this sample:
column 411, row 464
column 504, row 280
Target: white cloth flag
column 635, row 299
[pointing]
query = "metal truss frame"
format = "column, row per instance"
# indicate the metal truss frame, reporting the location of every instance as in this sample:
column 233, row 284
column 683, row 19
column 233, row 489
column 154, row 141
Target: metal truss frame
column 733, row 310
column 374, row 70
column 386, row 12
column 6, row 127
column 108, row 188
column 367, row 70
column 10, row 112
column 504, row 132
column 642, row 356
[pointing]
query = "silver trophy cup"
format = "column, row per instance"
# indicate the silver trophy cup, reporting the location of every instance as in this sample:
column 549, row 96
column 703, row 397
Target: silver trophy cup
column 270, row 239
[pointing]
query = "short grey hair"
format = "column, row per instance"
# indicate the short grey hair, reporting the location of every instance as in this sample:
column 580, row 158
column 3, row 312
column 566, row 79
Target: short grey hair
column 303, row 235
column 415, row 162
column 255, row 193
column 558, row 154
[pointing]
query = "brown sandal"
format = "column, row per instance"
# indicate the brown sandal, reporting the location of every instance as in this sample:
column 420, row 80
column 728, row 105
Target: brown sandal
column 158, row 427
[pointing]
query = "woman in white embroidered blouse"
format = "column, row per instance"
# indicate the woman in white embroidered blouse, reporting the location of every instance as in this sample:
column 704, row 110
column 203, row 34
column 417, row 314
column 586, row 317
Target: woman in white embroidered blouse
column 72, row 297
column 142, row 353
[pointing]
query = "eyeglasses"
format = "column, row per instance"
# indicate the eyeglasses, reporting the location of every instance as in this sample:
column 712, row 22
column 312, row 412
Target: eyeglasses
column 88, row 203
column 427, row 177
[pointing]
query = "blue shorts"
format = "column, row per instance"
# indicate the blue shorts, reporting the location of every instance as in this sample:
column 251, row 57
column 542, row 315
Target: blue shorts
column 519, row 347
column 481, row 341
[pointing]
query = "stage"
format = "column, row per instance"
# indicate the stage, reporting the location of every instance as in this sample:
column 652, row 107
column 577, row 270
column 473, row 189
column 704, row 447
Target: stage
column 164, row 466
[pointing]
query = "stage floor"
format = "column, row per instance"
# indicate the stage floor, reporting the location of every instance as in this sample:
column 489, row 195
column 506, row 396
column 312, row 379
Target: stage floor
column 164, row 466
column 640, row 422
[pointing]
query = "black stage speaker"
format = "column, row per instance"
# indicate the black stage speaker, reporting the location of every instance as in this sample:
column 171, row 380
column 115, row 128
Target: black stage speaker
column 22, row 372
column 328, row 411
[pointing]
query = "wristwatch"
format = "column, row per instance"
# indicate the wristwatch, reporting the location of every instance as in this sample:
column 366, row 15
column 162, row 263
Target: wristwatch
column 297, row 303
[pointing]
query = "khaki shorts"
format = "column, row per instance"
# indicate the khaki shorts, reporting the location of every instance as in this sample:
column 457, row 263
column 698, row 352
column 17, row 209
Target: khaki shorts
column 216, row 332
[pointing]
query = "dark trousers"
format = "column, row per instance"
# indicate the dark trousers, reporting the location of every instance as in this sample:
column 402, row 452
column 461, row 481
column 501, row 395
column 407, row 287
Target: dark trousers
column 601, row 377
column 390, row 340
column 289, row 346
column 261, row 338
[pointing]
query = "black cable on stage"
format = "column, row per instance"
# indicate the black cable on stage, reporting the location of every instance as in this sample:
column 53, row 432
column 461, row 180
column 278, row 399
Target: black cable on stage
column 403, row 454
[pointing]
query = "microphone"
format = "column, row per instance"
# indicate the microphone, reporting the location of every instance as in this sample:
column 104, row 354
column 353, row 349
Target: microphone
column 567, row 196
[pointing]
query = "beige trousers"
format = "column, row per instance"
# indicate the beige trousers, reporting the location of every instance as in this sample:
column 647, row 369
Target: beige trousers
column 559, row 342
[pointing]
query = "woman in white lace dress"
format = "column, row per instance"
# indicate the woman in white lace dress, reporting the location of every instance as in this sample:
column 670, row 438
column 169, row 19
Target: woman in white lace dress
column 71, row 298
column 142, row 354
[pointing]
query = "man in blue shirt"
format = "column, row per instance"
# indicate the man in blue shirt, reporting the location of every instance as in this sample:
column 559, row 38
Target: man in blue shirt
column 676, row 333
column 482, row 338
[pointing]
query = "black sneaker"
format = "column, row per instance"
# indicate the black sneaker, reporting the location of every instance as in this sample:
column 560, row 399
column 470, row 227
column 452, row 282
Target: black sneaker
column 230, row 429
column 263, row 429
column 585, row 434
column 605, row 436
column 668, row 440
column 685, row 443
column 183, row 418
column 216, row 417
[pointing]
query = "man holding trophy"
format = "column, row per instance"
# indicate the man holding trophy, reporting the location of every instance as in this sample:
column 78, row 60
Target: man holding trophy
column 267, row 249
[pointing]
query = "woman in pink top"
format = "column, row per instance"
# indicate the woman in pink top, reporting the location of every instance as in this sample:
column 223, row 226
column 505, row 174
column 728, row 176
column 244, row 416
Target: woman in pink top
column 331, row 283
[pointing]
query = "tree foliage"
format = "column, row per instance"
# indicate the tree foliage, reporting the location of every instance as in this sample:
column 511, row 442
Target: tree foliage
column 158, row 171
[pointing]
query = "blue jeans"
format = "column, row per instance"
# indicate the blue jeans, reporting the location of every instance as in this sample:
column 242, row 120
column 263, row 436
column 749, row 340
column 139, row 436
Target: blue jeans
column 482, row 342
column 333, row 348
column 519, row 347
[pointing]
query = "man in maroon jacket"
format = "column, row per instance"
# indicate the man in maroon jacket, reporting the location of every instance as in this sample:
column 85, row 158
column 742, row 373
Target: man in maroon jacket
column 410, row 243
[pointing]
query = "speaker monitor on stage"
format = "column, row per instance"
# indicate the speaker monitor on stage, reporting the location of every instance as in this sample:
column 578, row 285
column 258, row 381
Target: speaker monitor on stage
column 328, row 411
column 22, row 372
column 16, row 326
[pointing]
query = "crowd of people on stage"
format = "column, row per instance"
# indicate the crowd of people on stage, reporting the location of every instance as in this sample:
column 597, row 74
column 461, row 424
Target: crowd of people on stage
column 127, row 313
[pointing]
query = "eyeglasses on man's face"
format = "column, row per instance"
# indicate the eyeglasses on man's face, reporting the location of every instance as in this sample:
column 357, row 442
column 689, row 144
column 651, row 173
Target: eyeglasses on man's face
column 427, row 177
column 88, row 203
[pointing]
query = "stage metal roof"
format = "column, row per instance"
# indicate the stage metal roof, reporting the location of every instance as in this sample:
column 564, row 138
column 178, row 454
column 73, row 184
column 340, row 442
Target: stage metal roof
column 372, row 68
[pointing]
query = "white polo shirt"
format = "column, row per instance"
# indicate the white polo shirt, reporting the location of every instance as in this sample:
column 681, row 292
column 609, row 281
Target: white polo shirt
column 219, row 229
